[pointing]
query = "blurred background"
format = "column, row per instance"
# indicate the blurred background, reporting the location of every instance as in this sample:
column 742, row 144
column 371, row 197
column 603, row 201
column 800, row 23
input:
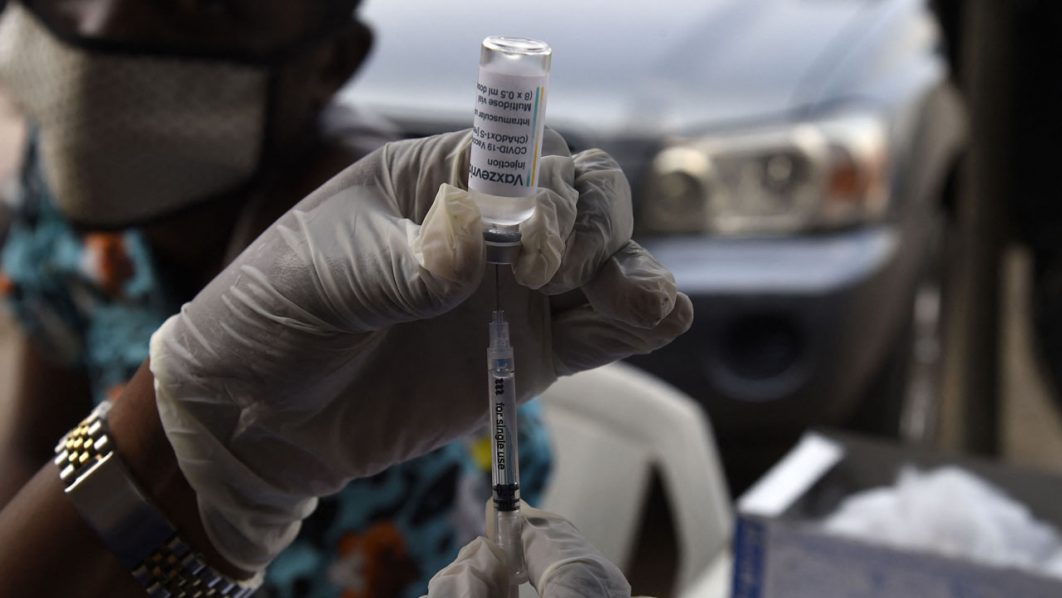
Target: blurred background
column 860, row 197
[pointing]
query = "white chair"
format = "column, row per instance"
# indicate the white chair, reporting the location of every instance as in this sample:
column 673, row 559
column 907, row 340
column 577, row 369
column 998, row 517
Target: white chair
column 610, row 427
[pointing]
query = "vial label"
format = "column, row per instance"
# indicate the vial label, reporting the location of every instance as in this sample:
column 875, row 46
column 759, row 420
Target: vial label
column 507, row 134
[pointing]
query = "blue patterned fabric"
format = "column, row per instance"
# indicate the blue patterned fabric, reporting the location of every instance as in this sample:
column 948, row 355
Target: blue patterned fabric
column 92, row 301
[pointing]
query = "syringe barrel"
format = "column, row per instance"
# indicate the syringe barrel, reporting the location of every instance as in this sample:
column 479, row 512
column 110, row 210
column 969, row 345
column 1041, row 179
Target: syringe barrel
column 508, row 529
column 501, row 382
column 504, row 463
column 507, row 128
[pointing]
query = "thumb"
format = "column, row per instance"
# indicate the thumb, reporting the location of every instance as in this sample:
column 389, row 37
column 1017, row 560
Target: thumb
column 448, row 248
column 355, row 263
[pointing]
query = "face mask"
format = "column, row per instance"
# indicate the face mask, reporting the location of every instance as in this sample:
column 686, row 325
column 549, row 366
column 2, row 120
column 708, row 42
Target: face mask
column 125, row 138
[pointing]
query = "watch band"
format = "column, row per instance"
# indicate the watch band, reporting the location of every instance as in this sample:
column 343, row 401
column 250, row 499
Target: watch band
column 104, row 493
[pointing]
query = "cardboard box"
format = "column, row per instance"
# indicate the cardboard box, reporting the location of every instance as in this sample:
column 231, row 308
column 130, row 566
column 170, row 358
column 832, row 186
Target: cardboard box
column 781, row 552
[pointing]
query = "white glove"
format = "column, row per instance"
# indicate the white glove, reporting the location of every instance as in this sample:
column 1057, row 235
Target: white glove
column 351, row 335
column 560, row 564
column 479, row 571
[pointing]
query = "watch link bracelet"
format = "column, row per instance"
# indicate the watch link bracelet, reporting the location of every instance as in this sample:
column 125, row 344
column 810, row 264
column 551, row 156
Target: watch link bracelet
column 104, row 493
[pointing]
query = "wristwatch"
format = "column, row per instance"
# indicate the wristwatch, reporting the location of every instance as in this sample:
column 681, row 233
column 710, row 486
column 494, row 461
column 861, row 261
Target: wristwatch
column 104, row 493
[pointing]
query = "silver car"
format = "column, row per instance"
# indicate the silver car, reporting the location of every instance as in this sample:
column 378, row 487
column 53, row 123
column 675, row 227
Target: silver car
column 789, row 160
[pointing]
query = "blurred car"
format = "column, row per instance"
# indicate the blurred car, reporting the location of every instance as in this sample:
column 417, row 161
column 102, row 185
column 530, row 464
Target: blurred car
column 788, row 160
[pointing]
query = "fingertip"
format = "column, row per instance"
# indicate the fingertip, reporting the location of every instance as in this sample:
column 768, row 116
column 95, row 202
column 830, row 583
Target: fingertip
column 658, row 295
column 458, row 158
column 603, row 220
column 588, row 336
column 553, row 144
column 594, row 159
column 681, row 316
column 543, row 237
column 481, row 543
column 633, row 287
column 449, row 243
column 480, row 569
column 558, row 174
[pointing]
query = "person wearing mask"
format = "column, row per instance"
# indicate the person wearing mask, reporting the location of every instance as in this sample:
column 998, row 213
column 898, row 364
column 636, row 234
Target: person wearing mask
column 166, row 135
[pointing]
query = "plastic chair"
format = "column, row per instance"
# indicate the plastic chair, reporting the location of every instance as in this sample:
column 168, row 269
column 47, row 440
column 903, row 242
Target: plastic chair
column 610, row 427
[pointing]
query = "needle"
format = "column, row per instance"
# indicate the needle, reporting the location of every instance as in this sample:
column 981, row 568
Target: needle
column 497, row 288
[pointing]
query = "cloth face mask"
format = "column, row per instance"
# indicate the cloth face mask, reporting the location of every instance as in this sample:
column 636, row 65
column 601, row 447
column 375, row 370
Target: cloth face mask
column 125, row 138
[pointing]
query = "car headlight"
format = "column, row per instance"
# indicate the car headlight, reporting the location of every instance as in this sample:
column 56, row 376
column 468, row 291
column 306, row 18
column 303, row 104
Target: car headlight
column 818, row 174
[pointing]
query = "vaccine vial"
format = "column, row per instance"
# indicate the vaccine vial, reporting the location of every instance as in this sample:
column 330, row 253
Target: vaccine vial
column 507, row 126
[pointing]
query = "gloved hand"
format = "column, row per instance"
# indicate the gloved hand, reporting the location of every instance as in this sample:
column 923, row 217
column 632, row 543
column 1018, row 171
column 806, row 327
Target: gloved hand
column 560, row 564
column 351, row 334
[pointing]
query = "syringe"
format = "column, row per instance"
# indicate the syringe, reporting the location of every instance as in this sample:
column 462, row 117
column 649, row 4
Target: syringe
column 507, row 131
column 505, row 469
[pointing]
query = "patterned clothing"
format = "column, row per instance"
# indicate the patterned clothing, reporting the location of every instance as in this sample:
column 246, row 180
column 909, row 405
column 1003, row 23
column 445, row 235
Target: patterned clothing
column 92, row 300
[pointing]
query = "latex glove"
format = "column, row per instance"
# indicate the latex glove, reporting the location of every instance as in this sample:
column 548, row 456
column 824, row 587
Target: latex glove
column 479, row 571
column 351, row 334
column 560, row 564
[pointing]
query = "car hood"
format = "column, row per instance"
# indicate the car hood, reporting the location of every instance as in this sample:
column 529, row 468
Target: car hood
column 621, row 68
